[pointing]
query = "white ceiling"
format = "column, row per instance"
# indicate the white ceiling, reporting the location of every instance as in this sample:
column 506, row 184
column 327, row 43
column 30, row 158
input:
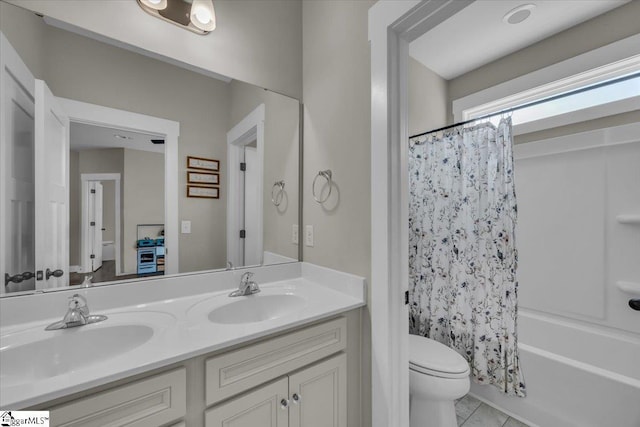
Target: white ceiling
column 477, row 35
column 89, row 137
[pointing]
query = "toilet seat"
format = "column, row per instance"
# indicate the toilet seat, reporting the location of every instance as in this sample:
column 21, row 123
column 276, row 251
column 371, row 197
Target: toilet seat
column 430, row 357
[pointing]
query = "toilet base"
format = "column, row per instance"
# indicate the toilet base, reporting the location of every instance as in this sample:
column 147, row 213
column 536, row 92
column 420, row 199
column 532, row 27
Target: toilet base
column 433, row 414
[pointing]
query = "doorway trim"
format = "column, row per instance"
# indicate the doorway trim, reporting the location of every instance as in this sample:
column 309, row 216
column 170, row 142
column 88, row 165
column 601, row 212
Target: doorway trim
column 82, row 112
column 249, row 129
column 84, row 221
column 392, row 26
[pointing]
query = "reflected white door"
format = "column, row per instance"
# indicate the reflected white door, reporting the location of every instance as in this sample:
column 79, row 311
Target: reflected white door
column 252, row 251
column 52, row 184
column 96, row 228
column 17, row 178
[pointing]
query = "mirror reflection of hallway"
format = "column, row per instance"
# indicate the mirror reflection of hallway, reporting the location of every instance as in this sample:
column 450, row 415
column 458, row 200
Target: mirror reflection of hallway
column 116, row 183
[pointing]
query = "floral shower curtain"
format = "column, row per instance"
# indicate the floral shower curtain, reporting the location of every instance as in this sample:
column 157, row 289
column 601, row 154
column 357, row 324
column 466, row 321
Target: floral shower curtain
column 462, row 255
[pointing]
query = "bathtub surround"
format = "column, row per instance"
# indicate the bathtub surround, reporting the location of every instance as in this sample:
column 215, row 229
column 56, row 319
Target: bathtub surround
column 462, row 254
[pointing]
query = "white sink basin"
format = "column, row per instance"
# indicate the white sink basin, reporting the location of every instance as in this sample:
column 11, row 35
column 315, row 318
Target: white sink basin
column 35, row 354
column 256, row 308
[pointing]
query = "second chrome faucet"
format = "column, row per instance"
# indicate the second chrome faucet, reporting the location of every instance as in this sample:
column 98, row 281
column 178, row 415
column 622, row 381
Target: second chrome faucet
column 246, row 287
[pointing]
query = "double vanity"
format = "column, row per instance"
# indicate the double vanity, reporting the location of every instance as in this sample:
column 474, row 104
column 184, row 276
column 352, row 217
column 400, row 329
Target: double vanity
column 183, row 351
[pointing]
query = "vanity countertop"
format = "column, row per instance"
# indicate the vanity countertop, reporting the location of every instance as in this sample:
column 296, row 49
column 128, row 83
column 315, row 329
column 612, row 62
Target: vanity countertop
column 181, row 327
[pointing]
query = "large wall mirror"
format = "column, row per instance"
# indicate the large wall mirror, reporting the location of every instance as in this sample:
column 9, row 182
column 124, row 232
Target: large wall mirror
column 118, row 166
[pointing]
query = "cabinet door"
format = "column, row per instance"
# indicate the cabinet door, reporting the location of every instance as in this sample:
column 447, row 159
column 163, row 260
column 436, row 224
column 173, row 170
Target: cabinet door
column 260, row 408
column 318, row 395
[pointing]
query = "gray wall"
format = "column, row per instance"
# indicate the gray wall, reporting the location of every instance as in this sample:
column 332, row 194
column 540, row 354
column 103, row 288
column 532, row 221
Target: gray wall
column 337, row 135
column 143, row 199
column 427, row 99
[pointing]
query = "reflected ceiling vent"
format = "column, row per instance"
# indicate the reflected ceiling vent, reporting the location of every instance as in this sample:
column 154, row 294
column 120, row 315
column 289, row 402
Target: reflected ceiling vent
column 197, row 16
column 519, row 14
column 157, row 141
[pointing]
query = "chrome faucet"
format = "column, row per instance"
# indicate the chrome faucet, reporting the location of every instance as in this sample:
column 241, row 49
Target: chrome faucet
column 77, row 315
column 247, row 286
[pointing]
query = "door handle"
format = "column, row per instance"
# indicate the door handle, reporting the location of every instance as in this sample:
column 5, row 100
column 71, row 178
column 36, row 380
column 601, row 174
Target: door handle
column 18, row 278
column 296, row 398
column 56, row 273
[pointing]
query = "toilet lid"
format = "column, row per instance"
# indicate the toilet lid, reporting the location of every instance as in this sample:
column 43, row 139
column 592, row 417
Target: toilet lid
column 433, row 358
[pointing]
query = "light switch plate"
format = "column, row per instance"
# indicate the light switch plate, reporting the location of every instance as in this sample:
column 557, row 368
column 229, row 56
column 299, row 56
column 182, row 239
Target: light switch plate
column 308, row 235
column 185, row 227
column 294, row 234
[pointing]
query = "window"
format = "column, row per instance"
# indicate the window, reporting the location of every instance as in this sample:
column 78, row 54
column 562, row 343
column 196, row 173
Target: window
column 606, row 93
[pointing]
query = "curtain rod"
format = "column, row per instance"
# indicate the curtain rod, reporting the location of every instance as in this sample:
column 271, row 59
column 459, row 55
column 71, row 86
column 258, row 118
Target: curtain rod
column 531, row 104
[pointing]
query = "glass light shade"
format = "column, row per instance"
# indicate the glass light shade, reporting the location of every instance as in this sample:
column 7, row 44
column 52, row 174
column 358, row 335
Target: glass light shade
column 203, row 15
column 155, row 4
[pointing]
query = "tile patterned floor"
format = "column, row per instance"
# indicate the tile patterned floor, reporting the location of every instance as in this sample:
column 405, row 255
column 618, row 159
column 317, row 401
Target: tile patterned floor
column 473, row 413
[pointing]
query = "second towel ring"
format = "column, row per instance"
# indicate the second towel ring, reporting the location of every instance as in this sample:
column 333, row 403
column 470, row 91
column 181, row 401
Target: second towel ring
column 276, row 198
column 326, row 174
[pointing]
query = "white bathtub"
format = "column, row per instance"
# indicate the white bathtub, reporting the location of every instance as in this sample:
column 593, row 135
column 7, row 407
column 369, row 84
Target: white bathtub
column 576, row 376
column 579, row 341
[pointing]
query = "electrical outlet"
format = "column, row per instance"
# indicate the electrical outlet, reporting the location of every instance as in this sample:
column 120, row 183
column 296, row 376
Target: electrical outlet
column 294, row 234
column 308, row 235
column 185, row 227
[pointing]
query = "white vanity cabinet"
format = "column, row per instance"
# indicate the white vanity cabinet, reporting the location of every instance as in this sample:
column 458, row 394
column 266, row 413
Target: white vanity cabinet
column 304, row 388
column 312, row 397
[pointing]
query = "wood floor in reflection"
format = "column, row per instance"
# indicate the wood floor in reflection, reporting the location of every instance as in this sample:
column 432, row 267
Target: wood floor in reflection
column 106, row 273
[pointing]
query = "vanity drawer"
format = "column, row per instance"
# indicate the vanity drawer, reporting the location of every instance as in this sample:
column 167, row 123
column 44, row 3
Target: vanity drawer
column 237, row 371
column 149, row 402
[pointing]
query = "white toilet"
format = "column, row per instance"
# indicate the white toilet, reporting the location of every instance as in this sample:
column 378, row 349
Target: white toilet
column 438, row 376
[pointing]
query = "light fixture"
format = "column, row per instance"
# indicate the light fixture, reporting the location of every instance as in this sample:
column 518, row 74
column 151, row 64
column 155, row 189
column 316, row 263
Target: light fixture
column 197, row 16
column 519, row 14
column 155, row 4
column 120, row 136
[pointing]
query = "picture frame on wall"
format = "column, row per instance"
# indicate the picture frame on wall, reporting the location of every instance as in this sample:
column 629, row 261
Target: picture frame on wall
column 203, row 192
column 202, row 163
column 203, row 178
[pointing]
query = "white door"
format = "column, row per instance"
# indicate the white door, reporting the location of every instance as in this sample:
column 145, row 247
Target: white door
column 96, row 228
column 252, row 187
column 319, row 395
column 260, row 408
column 17, row 177
column 52, row 185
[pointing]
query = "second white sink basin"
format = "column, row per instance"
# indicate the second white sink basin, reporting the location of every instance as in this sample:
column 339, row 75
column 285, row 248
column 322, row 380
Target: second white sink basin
column 256, row 308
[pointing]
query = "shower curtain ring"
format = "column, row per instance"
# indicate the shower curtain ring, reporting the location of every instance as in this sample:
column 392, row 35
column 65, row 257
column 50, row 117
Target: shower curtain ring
column 326, row 174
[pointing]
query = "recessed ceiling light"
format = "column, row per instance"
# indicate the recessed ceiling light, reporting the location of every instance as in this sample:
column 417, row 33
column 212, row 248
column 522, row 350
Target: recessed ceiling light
column 117, row 135
column 519, row 14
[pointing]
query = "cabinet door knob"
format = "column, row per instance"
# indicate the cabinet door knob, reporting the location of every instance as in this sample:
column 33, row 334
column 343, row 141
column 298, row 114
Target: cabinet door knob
column 284, row 403
column 296, row 398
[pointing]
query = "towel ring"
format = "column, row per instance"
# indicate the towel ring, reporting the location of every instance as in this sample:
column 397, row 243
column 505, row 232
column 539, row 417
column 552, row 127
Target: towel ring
column 276, row 198
column 326, row 175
